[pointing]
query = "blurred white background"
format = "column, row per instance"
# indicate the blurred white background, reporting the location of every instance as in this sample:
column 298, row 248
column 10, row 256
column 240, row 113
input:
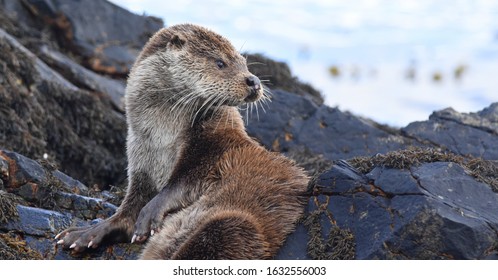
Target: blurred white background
column 392, row 61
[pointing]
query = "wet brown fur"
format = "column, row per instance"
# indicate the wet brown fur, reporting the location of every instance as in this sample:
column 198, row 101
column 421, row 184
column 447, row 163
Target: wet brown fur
column 251, row 197
column 208, row 44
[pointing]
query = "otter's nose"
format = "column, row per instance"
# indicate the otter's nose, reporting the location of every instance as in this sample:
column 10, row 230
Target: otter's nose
column 253, row 82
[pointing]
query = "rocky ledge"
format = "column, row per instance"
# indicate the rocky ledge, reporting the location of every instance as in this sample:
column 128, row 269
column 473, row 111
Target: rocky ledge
column 425, row 191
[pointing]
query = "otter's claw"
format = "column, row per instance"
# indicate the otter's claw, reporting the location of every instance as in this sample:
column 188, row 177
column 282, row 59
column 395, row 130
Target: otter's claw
column 81, row 238
column 151, row 218
column 138, row 238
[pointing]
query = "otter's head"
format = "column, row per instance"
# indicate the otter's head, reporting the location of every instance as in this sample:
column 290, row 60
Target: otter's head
column 199, row 67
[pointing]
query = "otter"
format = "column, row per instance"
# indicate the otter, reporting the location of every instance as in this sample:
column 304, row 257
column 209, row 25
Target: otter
column 199, row 186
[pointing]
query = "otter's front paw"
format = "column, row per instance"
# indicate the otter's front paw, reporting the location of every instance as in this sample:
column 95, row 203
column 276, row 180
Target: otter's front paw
column 81, row 238
column 149, row 222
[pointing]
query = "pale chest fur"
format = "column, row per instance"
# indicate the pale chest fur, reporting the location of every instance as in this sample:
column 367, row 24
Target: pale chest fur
column 154, row 145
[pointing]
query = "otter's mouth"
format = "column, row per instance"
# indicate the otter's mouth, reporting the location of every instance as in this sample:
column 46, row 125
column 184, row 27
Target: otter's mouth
column 254, row 94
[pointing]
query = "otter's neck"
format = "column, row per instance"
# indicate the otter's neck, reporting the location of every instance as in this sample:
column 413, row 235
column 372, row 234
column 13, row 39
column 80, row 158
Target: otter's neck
column 226, row 119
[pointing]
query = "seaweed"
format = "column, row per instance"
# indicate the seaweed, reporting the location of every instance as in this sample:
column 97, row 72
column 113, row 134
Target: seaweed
column 8, row 209
column 14, row 248
column 339, row 245
column 484, row 171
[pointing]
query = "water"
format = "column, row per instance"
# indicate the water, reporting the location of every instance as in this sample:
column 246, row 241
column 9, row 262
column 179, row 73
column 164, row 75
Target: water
column 395, row 61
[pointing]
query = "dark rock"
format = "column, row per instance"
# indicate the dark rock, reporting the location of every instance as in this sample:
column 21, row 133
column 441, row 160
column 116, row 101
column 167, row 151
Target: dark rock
column 43, row 113
column 465, row 134
column 85, row 207
column 111, row 197
column 24, row 170
column 85, row 78
column 46, row 248
column 33, row 182
column 35, row 228
column 270, row 127
column 17, row 20
column 394, row 181
column 291, row 122
column 348, row 135
column 31, row 193
column 295, row 246
column 277, row 75
column 72, row 184
column 432, row 211
column 107, row 36
column 41, row 69
column 38, row 222
column 17, row 10
column 340, row 178
column 39, row 227
column 449, row 183
column 38, row 185
column 486, row 119
column 65, row 202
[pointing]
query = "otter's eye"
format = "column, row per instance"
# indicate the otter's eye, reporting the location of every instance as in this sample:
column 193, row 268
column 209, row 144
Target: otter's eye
column 220, row 64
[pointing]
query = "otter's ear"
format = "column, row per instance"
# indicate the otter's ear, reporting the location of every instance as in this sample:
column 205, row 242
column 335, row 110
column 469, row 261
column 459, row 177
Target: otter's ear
column 176, row 41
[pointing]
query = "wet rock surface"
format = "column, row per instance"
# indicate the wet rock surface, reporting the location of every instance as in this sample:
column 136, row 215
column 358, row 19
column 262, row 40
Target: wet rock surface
column 43, row 114
column 85, row 78
column 106, row 36
column 432, row 211
column 37, row 202
column 467, row 134
column 425, row 191
column 293, row 122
